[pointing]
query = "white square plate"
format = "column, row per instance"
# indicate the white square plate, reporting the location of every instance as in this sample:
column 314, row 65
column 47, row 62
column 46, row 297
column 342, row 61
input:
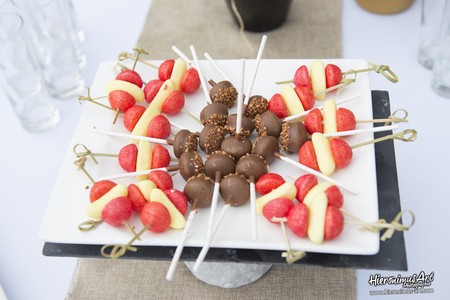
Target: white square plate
column 70, row 198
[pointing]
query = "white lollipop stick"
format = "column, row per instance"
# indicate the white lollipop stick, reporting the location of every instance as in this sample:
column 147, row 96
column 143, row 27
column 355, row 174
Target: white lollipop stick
column 205, row 249
column 216, row 66
column 131, row 136
column 181, row 54
column 200, row 74
column 302, row 114
column 212, row 210
column 364, row 130
column 253, row 210
column 240, row 98
column 258, row 59
column 177, row 254
column 317, row 173
column 132, row 174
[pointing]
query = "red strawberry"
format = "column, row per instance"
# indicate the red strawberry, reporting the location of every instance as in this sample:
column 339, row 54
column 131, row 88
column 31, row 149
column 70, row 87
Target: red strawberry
column 151, row 89
column 162, row 179
column 117, row 211
column 304, row 184
column 174, row 103
column 130, row 76
column 159, row 127
column 190, row 81
column 345, row 119
column 160, row 157
column 132, row 116
column 306, row 96
column 334, row 196
column 178, row 199
column 100, row 188
column 342, row 153
column 334, row 223
column 268, row 182
column 297, row 220
column 127, row 157
column 136, row 198
column 301, row 77
column 307, row 156
column 313, row 121
column 121, row 100
column 333, row 75
column 156, row 215
column 278, row 207
column 278, row 107
column 165, row 69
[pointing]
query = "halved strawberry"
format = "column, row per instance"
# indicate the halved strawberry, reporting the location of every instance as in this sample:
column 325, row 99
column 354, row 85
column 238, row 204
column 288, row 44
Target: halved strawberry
column 162, row 179
column 333, row 75
column 306, row 96
column 127, row 157
column 278, row 107
column 334, row 223
column 178, row 199
column 268, row 182
column 302, row 78
column 334, row 196
column 159, row 127
column 174, row 103
column 136, row 198
column 160, row 157
column 165, row 69
column 130, row 76
column 151, row 89
column 156, row 215
column 100, row 188
column 132, row 116
column 304, row 184
column 313, row 121
column 278, row 208
column 307, row 156
column 117, row 211
column 297, row 220
column 341, row 151
column 345, row 119
column 190, row 81
column 121, row 100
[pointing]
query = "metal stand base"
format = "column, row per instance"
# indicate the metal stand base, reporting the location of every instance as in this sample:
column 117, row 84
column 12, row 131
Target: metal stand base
column 228, row 275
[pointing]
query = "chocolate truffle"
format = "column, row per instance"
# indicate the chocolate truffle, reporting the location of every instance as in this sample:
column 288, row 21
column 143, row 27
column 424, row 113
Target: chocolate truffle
column 266, row 146
column 247, row 125
column 211, row 138
column 199, row 191
column 236, row 146
column 268, row 123
column 223, row 92
column 219, row 164
column 252, row 166
column 184, row 141
column 214, row 113
column 190, row 164
column 293, row 135
column 256, row 105
column 235, row 189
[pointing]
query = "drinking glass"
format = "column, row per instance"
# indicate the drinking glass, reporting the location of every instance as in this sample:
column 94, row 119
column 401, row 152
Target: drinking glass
column 441, row 67
column 20, row 79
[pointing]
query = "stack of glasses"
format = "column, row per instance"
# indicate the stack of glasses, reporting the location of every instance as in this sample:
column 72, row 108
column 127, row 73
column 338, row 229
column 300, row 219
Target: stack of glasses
column 41, row 57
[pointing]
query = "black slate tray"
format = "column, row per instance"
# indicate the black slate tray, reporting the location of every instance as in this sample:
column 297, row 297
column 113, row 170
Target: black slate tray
column 392, row 254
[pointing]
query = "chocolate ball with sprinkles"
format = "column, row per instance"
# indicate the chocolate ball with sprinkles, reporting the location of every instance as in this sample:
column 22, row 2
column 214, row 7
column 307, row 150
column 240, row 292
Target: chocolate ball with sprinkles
column 256, row 105
column 223, row 92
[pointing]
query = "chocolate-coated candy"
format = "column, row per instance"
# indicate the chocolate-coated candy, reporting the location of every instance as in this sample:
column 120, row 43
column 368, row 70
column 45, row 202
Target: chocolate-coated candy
column 199, row 191
column 219, row 163
column 268, row 123
column 190, row 164
column 236, row 146
column 184, row 141
column 211, row 138
column 235, row 189
column 266, row 146
column 247, row 125
column 252, row 166
column 223, row 92
column 256, row 105
column 293, row 135
column 214, row 113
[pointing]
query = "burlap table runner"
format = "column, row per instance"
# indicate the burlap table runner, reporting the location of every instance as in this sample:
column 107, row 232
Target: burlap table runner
column 312, row 30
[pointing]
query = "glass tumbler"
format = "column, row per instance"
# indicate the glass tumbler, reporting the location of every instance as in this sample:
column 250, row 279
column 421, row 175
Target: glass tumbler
column 47, row 26
column 20, row 80
column 430, row 26
column 440, row 81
